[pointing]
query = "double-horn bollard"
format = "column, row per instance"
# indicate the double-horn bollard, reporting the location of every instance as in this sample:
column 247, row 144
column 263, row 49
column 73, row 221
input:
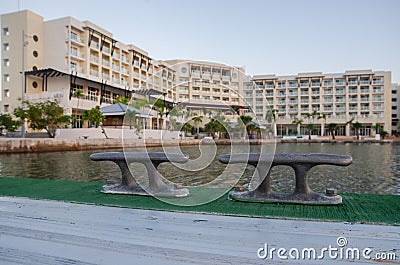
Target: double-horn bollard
column 151, row 161
column 301, row 163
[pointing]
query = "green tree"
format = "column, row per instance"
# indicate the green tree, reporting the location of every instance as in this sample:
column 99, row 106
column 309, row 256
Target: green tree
column 356, row 127
column 94, row 116
column 197, row 120
column 332, row 127
column 271, row 118
column 159, row 106
column 377, row 127
column 46, row 115
column 140, row 103
column 384, row 134
column 323, row 117
column 122, row 99
column 131, row 117
column 215, row 126
column 310, row 128
column 8, row 123
column 298, row 121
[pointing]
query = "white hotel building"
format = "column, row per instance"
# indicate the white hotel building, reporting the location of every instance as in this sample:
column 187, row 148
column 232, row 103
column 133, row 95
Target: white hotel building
column 362, row 95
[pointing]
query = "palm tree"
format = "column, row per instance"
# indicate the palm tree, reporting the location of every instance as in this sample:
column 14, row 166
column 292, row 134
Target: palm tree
column 271, row 117
column 197, row 120
column 298, row 121
column 78, row 93
column 122, row 99
column 310, row 127
column 384, row 134
column 356, row 127
column 246, row 120
column 332, row 127
column 322, row 116
column 377, row 127
column 311, row 116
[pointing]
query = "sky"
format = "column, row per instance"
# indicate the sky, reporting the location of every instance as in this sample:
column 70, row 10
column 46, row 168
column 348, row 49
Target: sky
column 282, row 37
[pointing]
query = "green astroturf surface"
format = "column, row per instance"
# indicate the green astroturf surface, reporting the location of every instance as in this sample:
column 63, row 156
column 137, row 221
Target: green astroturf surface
column 364, row 208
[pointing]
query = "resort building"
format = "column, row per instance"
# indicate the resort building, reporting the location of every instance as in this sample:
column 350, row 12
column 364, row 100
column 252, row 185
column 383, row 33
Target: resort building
column 364, row 96
column 82, row 66
column 60, row 57
column 206, row 85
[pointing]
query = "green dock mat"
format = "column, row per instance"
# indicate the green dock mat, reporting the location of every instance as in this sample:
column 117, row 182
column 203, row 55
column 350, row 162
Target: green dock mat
column 360, row 208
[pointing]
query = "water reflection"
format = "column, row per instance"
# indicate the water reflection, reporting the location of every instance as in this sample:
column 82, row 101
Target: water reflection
column 375, row 168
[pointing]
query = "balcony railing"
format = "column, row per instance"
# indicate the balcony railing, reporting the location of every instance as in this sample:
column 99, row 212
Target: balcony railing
column 94, row 44
column 364, row 82
column 351, row 82
column 76, row 53
column 105, row 62
column 76, row 68
column 106, row 76
column 94, row 73
column 106, row 49
column 124, row 71
column 94, row 58
column 115, row 67
column 76, row 38
column 378, row 82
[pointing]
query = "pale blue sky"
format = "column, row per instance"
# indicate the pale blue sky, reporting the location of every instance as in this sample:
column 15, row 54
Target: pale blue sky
column 282, row 37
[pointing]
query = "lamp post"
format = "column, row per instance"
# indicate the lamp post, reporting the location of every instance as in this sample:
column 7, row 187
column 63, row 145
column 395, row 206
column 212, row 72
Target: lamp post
column 24, row 44
column 23, row 80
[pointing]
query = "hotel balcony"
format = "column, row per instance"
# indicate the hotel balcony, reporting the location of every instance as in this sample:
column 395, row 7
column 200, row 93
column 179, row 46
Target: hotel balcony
column 195, row 74
column 106, row 49
column 77, row 69
column 115, row 80
column 124, row 71
column 378, row 82
column 364, row 82
column 105, row 63
column 94, row 72
column 115, row 67
column 76, row 54
column 116, row 56
column 94, row 58
column 77, row 40
column 106, row 76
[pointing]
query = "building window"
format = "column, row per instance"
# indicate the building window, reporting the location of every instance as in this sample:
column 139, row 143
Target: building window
column 34, row 68
column 6, row 32
column 35, row 54
column 394, row 107
column 34, row 84
column 35, row 38
column 6, row 62
column 6, row 93
column 6, row 47
column 184, row 70
column 6, row 108
column 394, row 99
column 7, row 78
column 394, row 91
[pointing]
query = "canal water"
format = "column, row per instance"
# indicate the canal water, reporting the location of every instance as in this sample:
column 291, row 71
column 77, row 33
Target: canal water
column 375, row 168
